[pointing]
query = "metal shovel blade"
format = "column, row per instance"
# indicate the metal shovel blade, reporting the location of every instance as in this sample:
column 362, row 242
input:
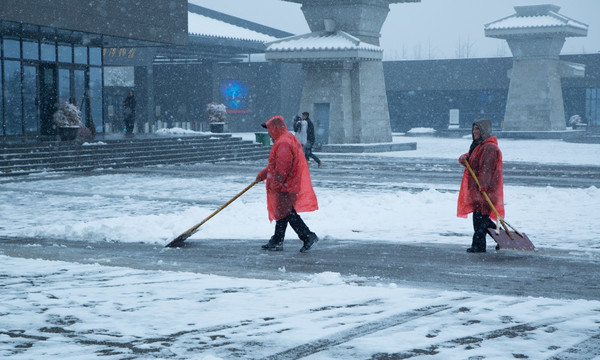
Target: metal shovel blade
column 513, row 241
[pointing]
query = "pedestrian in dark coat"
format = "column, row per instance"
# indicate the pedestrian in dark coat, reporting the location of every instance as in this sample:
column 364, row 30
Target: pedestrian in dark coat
column 485, row 159
column 289, row 187
column 310, row 139
column 129, row 112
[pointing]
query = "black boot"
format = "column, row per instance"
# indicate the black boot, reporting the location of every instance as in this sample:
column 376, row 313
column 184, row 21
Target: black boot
column 273, row 245
column 276, row 242
column 308, row 237
column 309, row 242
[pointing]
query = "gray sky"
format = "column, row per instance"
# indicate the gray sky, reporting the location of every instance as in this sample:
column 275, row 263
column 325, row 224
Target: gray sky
column 429, row 29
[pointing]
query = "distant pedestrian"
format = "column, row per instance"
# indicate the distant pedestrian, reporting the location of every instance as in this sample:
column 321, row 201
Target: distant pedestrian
column 485, row 159
column 300, row 129
column 310, row 139
column 289, row 187
column 129, row 112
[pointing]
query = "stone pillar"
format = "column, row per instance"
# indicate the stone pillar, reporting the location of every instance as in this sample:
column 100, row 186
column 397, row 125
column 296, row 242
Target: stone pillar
column 535, row 101
column 349, row 79
column 355, row 92
column 535, row 35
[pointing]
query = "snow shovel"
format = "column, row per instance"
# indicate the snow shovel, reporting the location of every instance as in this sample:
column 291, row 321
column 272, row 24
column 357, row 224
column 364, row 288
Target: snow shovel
column 505, row 239
column 178, row 241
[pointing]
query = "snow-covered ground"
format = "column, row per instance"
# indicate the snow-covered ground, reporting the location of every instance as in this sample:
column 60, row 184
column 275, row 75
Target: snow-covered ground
column 52, row 310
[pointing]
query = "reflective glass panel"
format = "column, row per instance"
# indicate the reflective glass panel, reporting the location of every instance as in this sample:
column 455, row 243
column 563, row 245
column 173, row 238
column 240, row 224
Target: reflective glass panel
column 65, row 54
column 80, row 53
column 78, row 91
column 95, row 56
column 30, row 50
column 64, row 85
column 29, row 96
column 11, row 48
column 48, row 52
column 12, row 97
column 96, row 97
column 1, row 112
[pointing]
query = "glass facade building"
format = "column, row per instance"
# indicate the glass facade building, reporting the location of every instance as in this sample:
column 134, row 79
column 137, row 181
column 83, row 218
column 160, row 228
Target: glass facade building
column 52, row 51
column 41, row 67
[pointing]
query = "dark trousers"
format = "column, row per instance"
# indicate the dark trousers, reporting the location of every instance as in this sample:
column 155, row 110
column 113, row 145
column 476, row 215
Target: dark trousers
column 481, row 223
column 296, row 223
column 129, row 124
column 309, row 154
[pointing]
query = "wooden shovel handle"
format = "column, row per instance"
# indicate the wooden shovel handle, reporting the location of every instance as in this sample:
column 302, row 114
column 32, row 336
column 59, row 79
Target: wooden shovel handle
column 489, row 200
column 223, row 206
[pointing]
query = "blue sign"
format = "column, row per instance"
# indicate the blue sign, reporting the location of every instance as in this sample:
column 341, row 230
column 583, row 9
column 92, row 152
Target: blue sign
column 235, row 95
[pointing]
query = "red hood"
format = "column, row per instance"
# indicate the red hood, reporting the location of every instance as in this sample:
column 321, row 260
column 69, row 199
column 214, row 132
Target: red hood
column 276, row 127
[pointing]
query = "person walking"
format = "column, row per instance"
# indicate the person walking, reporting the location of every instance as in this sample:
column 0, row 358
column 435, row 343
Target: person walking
column 129, row 112
column 310, row 139
column 289, row 187
column 485, row 158
column 300, row 127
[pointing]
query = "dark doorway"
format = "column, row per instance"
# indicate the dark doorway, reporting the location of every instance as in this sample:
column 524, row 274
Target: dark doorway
column 322, row 119
column 48, row 97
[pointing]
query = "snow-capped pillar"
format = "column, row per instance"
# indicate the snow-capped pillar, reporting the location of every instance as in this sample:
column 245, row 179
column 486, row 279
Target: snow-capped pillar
column 344, row 88
column 535, row 36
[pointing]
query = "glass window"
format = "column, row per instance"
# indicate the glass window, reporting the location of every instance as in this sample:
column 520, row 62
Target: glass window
column 96, row 97
column 80, row 55
column 1, row 109
column 29, row 96
column 48, row 52
column 592, row 106
column 95, row 56
column 30, row 50
column 11, row 48
column 12, row 97
column 65, row 53
column 78, row 92
column 64, row 85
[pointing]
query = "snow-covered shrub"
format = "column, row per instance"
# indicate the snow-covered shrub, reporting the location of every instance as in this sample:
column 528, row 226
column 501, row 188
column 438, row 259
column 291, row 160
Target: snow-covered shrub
column 67, row 115
column 216, row 112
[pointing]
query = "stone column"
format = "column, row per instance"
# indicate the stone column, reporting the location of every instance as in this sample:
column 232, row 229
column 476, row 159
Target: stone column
column 535, row 35
column 349, row 78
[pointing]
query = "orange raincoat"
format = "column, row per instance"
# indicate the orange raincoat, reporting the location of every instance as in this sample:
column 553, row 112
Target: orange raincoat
column 288, row 178
column 486, row 162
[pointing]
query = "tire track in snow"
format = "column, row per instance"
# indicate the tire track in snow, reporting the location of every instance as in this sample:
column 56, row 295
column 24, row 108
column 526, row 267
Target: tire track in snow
column 356, row 332
column 519, row 330
column 586, row 350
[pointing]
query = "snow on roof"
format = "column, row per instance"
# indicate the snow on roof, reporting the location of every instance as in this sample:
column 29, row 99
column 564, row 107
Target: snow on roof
column 321, row 46
column 316, row 41
column 206, row 26
column 534, row 19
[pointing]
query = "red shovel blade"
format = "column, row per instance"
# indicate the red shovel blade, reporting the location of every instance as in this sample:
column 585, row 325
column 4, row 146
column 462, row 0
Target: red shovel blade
column 517, row 242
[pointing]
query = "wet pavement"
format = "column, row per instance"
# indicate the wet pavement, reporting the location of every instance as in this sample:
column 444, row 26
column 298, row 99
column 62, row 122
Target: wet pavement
column 548, row 273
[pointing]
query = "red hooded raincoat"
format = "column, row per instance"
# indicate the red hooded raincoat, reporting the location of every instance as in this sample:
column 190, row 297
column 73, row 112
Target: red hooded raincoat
column 486, row 162
column 288, row 178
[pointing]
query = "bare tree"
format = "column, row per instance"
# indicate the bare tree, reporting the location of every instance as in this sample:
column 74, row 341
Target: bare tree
column 465, row 48
column 418, row 52
column 501, row 50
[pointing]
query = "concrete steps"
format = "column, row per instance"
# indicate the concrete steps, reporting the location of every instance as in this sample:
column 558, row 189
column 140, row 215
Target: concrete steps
column 27, row 158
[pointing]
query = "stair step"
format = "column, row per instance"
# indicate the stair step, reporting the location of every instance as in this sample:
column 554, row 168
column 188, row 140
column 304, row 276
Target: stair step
column 17, row 159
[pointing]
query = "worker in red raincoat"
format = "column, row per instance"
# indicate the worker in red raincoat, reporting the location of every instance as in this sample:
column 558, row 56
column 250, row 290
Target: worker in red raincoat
column 485, row 159
column 289, row 188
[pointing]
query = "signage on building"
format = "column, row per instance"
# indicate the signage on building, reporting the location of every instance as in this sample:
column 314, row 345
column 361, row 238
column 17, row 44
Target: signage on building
column 235, row 94
column 128, row 56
